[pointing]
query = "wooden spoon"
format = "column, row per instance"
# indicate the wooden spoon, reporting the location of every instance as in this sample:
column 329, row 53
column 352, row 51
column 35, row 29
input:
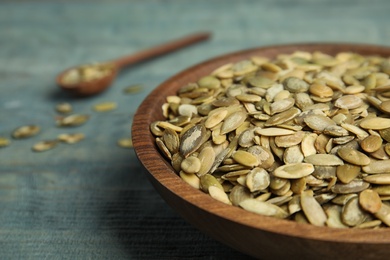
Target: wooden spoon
column 91, row 79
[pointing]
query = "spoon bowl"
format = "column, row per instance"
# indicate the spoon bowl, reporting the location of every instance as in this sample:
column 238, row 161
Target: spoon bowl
column 86, row 88
column 83, row 84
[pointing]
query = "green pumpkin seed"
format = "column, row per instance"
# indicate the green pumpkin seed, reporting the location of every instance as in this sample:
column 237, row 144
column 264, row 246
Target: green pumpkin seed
column 312, row 209
column 208, row 180
column 263, row 208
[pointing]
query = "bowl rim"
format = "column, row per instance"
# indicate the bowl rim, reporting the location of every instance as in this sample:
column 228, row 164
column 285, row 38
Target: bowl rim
column 159, row 169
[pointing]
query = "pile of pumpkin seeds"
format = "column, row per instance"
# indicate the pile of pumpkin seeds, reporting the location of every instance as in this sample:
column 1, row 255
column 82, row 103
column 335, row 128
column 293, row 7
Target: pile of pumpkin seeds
column 304, row 136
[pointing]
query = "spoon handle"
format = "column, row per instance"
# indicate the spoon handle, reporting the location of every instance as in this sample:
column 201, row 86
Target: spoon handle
column 161, row 49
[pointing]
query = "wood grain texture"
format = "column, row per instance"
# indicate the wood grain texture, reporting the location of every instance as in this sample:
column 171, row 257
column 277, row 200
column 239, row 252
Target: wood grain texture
column 238, row 228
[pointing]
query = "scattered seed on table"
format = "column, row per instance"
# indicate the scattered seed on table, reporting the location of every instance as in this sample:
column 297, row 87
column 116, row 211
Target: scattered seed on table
column 105, row 106
column 125, row 142
column 4, row 142
column 133, row 89
column 64, row 108
column 44, row 145
column 26, row 131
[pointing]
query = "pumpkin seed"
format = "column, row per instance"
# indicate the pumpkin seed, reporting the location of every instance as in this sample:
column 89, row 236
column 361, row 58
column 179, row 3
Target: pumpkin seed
column 351, row 187
column 218, row 194
column 294, row 170
column 294, row 205
column 73, row 120
column 263, row 208
column 216, row 118
column 26, row 131
column 233, row 121
column 334, row 217
column 323, row 160
column 105, row 106
column 133, row 89
column 238, row 194
column 245, row 158
column 352, row 214
column 370, row 201
column 360, row 133
column 384, row 214
column 348, row 102
column 298, row 185
column 273, row 131
column 4, row 142
column 72, row 138
column 370, row 224
column 318, row 122
column 282, row 117
column 208, row 180
column 308, row 144
column 293, row 154
column 289, row 140
column 375, row 123
column 312, row 209
column 43, row 146
column 385, row 134
column 163, row 148
column 353, row 156
column 377, row 167
column 263, row 155
column 281, row 105
column 383, row 178
column 192, row 140
column 382, row 190
column 64, row 108
column 191, row 179
column 206, row 158
column 347, row 172
column 320, row 90
column 191, row 164
column 209, row 82
column 295, row 85
column 371, row 143
column 257, row 179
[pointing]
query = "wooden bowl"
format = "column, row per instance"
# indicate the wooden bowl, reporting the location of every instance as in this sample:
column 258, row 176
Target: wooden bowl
column 259, row 236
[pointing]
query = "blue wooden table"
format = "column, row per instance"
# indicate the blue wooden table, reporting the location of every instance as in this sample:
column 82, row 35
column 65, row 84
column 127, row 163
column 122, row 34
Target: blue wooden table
column 91, row 200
